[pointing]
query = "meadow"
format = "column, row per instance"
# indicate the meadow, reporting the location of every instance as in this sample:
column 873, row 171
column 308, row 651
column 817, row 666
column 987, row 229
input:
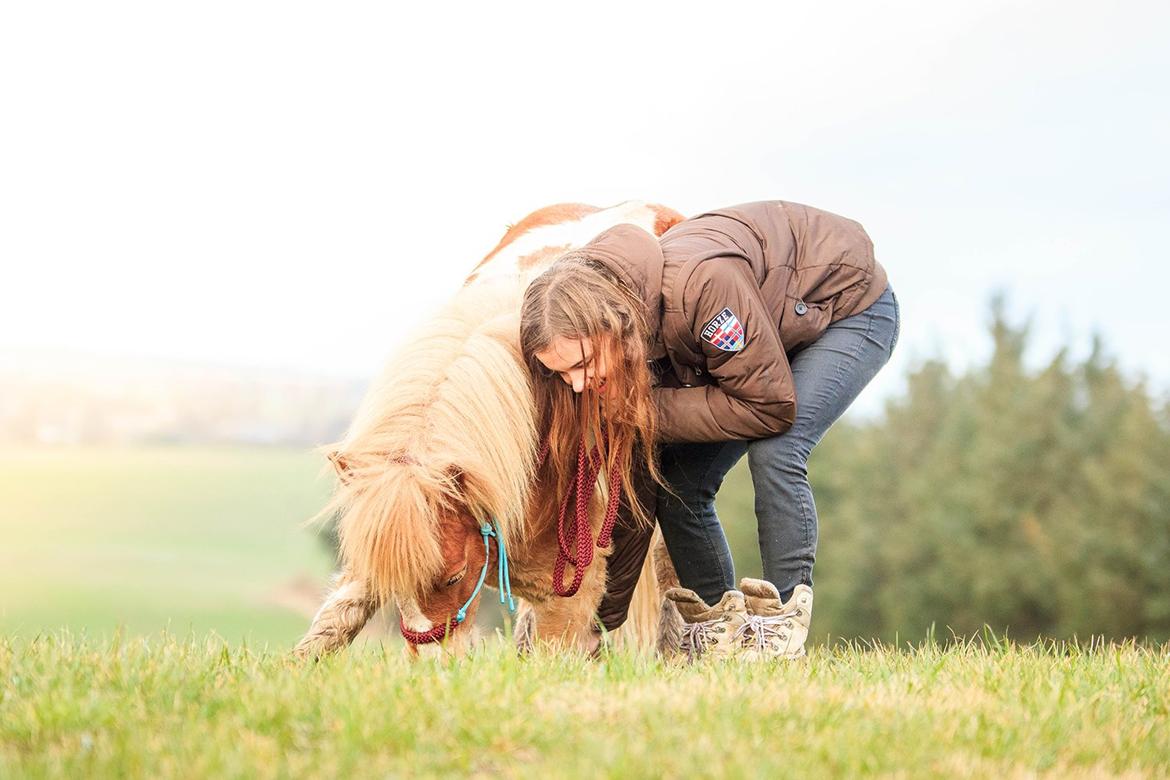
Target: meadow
column 164, row 707
column 148, row 539
column 145, row 626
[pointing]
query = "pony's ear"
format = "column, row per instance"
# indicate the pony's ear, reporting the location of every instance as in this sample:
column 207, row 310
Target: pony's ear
column 341, row 466
column 458, row 477
column 456, row 481
column 665, row 218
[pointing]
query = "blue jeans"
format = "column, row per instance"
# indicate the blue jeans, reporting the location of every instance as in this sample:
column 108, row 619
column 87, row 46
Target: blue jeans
column 828, row 374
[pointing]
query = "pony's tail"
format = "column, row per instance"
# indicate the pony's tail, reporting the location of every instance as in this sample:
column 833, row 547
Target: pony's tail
column 642, row 631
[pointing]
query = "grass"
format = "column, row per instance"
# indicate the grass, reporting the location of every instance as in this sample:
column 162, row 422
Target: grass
column 115, row 546
column 149, row 538
column 166, row 707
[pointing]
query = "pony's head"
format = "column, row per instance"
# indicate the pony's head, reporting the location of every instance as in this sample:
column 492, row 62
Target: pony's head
column 443, row 444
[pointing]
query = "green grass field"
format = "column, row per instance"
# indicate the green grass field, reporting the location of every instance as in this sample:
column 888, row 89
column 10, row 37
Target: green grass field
column 165, row 708
column 194, row 539
column 141, row 636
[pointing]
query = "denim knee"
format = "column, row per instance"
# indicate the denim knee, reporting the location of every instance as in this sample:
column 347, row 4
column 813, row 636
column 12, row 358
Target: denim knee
column 785, row 454
column 686, row 504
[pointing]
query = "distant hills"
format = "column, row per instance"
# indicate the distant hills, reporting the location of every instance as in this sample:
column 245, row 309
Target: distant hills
column 55, row 398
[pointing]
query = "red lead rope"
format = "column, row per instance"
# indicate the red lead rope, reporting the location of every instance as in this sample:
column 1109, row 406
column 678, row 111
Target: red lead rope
column 574, row 536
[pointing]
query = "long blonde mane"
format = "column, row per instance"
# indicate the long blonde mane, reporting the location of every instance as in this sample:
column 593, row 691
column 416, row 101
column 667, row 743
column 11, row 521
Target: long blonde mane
column 448, row 426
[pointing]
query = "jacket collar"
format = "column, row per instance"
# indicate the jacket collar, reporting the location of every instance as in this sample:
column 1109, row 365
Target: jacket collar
column 636, row 257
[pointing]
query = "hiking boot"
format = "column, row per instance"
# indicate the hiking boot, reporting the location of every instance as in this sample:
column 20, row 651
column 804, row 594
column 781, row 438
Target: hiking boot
column 774, row 629
column 710, row 631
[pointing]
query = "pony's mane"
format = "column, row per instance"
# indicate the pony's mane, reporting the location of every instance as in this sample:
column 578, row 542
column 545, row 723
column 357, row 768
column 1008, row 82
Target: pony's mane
column 450, row 427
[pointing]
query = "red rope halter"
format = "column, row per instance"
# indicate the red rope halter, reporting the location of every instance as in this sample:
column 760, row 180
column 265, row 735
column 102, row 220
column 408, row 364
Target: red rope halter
column 436, row 634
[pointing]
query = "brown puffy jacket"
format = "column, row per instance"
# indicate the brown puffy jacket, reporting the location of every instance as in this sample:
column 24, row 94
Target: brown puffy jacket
column 781, row 271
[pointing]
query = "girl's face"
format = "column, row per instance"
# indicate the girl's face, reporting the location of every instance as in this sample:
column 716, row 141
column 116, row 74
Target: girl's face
column 574, row 360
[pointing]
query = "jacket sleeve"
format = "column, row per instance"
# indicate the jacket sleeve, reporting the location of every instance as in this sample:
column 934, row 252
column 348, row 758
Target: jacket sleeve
column 753, row 396
column 631, row 542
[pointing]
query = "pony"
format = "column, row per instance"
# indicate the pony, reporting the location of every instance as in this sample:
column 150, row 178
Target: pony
column 435, row 469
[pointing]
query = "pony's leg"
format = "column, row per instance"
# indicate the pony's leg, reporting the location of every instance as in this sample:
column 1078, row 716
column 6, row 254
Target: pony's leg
column 524, row 630
column 565, row 624
column 639, row 633
column 663, row 567
column 347, row 609
column 670, row 622
column 571, row 623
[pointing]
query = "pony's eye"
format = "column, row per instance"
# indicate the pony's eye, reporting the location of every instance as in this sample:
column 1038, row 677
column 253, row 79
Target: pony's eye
column 455, row 579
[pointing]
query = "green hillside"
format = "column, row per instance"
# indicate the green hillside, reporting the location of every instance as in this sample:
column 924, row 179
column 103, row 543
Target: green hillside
column 191, row 539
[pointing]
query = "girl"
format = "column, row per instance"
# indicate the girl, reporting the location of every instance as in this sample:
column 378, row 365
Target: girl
column 745, row 329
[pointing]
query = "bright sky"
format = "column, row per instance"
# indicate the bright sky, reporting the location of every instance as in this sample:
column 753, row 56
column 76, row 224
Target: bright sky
column 296, row 184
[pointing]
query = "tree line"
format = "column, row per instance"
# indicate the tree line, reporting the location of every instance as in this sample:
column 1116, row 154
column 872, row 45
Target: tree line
column 1032, row 500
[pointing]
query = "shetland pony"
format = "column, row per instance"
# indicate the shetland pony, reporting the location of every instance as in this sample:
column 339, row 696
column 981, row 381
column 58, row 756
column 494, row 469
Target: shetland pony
column 434, row 472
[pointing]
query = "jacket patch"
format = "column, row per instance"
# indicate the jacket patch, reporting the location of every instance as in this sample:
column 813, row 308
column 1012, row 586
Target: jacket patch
column 725, row 331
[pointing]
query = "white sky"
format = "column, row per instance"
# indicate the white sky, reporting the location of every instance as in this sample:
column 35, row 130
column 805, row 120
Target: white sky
column 294, row 184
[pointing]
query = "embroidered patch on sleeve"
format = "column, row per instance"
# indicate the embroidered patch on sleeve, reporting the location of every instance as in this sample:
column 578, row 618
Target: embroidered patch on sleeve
column 725, row 331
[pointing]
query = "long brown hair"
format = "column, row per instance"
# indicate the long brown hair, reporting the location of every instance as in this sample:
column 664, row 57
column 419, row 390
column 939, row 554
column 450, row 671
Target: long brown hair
column 579, row 298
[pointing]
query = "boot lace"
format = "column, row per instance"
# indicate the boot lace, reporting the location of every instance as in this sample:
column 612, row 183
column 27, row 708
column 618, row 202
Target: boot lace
column 697, row 637
column 760, row 632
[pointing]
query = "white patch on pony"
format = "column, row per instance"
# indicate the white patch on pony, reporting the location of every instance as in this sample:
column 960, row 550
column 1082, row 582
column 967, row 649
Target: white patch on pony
column 413, row 618
column 575, row 233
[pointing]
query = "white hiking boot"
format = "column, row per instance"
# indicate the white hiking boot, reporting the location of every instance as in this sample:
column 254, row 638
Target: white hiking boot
column 774, row 629
column 710, row 631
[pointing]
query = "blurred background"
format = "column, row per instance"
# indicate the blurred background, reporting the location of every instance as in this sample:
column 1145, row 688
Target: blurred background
column 217, row 220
